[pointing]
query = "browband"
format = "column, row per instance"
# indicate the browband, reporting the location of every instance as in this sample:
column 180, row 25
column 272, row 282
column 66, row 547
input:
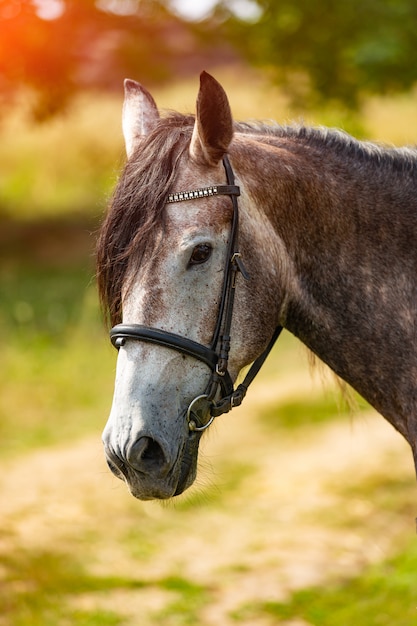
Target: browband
column 217, row 190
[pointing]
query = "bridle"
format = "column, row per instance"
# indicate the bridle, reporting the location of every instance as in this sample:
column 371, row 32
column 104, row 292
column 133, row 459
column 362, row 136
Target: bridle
column 220, row 396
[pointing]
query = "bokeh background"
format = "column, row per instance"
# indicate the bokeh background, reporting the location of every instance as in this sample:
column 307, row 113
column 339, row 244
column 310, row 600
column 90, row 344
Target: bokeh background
column 303, row 513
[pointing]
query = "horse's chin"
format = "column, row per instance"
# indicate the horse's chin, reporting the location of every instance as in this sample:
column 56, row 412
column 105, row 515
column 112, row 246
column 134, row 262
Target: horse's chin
column 153, row 491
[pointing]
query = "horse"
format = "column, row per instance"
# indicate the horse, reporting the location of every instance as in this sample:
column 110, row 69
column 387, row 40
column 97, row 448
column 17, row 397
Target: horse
column 219, row 234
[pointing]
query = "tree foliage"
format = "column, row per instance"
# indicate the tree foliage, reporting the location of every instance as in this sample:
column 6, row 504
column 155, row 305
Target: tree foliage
column 58, row 47
column 319, row 51
column 332, row 50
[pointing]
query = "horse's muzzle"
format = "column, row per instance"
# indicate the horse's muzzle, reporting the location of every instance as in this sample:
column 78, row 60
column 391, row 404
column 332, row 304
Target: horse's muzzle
column 148, row 470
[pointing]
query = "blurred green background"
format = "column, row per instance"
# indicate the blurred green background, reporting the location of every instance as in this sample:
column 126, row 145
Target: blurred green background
column 303, row 512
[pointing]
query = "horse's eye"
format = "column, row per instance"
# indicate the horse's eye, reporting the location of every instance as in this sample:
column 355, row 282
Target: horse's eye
column 200, row 254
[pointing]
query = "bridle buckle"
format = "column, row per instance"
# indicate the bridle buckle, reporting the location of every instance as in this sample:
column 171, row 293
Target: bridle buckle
column 219, row 370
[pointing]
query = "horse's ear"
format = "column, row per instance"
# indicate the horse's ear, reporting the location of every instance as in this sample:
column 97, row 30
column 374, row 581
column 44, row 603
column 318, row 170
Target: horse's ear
column 213, row 129
column 140, row 114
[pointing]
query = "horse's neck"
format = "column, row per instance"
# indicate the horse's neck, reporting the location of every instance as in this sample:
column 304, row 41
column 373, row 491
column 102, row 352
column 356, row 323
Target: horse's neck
column 349, row 234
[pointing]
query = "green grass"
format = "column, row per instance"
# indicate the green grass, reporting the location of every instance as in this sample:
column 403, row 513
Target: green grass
column 300, row 412
column 42, row 300
column 38, row 587
column 41, row 588
column 383, row 595
column 297, row 413
column 184, row 609
column 66, row 165
column 44, row 588
column 55, row 357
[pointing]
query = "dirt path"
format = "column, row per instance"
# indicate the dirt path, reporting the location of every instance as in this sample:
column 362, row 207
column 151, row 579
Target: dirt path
column 308, row 510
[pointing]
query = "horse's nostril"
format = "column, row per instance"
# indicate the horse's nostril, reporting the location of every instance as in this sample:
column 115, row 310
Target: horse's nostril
column 146, row 456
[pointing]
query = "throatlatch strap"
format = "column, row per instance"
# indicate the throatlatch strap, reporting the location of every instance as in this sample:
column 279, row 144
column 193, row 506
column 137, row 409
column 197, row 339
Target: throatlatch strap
column 236, row 397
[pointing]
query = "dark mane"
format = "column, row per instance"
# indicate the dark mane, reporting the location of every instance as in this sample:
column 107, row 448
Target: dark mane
column 137, row 207
column 339, row 142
